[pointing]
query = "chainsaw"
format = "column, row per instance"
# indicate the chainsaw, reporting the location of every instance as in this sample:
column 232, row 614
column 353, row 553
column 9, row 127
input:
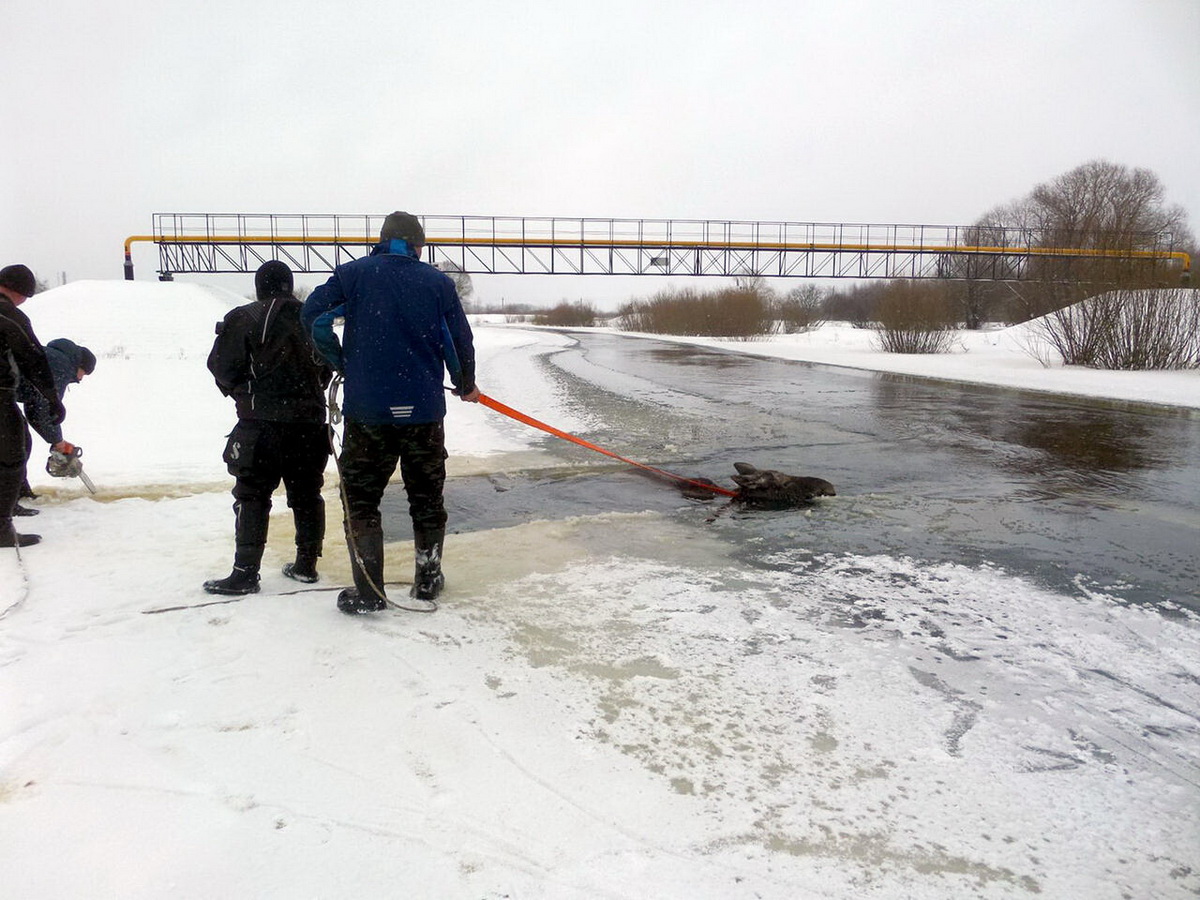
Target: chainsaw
column 66, row 463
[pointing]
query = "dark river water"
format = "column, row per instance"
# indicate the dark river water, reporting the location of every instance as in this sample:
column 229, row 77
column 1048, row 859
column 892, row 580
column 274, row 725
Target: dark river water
column 1076, row 495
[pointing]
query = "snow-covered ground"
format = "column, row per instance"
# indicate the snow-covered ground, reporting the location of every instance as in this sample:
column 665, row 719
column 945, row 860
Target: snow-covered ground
column 584, row 717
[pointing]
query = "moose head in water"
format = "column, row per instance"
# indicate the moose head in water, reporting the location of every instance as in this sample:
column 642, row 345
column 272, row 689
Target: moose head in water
column 765, row 488
column 768, row 487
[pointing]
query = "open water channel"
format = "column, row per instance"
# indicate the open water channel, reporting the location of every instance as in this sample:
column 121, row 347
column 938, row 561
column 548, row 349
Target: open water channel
column 1075, row 494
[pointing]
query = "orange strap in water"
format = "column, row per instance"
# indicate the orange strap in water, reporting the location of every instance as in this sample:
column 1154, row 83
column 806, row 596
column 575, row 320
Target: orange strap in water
column 557, row 432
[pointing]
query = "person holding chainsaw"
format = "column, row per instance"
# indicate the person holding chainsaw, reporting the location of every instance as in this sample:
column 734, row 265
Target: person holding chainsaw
column 22, row 359
column 404, row 326
column 69, row 364
column 263, row 359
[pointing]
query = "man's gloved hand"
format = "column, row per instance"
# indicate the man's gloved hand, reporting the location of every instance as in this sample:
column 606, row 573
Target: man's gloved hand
column 64, row 461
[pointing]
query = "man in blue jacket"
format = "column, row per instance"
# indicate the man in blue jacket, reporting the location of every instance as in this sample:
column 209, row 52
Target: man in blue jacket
column 404, row 326
column 69, row 363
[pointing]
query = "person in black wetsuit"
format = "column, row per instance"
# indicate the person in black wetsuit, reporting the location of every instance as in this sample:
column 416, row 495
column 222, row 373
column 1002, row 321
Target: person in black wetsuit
column 263, row 359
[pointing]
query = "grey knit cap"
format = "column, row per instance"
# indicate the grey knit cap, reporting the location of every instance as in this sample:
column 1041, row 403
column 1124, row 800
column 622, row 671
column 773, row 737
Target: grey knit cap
column 403, row 226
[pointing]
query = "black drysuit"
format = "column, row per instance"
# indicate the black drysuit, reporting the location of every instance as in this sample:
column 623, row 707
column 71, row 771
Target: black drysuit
column 22, row 360
column 265, row 362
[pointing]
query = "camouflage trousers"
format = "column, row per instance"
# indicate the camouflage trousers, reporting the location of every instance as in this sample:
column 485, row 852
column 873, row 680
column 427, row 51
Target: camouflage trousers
column 369, row 457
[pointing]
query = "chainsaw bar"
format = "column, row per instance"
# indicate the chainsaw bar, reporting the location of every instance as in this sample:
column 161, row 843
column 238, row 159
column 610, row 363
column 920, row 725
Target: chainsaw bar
column 87, row 482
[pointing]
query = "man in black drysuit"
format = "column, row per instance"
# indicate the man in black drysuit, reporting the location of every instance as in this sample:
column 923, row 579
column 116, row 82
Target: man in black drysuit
column 22, row 359
column 265, row 361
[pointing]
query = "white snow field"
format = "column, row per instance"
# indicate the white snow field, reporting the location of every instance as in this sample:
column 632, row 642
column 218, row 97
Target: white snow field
column 607, row 706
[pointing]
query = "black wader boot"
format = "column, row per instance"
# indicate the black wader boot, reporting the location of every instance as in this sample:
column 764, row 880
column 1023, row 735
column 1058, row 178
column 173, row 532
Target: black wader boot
column 310, row 535
column 305, row 567
column 10, row 538
column 251, row 537
column 364, row 540
column 10, row 485
column 428, row 579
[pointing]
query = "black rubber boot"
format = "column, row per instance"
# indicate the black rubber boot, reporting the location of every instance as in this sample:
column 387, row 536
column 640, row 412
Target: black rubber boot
column 250, row 530
column 242, row 580
column 20, row 510
column 10, row 538
column 364, row 540
column 310, row 535
column 304, row 569
column 428, row 579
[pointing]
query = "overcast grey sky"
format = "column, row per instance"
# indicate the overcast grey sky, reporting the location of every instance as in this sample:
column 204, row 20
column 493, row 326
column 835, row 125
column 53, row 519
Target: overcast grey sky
column 925, row 111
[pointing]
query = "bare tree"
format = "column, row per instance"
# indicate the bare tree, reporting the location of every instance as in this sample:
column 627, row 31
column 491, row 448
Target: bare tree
column 1100, row 203
column 801, row 309
column 751, row 283
column 462, row 281
column 1098, row 206
column 982, row 292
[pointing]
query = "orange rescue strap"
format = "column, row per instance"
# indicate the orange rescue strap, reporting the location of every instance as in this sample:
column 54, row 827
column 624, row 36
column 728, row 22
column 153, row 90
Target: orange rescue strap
column 559, row 433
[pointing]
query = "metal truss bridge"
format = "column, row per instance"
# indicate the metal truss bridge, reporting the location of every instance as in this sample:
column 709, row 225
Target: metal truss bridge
column 497, row 245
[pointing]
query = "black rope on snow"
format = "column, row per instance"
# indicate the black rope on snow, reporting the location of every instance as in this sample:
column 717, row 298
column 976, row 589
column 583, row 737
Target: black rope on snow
column 25, row 587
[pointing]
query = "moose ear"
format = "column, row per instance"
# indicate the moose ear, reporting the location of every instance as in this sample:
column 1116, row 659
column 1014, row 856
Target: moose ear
column 744, row 468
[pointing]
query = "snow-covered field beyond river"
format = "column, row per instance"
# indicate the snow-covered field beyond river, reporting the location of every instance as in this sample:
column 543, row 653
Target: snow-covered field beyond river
column 585, row 717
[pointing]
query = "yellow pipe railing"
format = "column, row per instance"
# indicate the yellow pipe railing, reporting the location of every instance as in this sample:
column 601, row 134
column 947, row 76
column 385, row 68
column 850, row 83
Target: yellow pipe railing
column 1082, row 252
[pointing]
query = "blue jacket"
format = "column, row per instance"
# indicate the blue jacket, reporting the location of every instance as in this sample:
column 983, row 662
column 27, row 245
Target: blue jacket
column 404, row 325
column 65, row 358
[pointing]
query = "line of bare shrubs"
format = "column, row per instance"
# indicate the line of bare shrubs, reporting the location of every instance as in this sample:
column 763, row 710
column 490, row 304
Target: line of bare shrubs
column 740, row 313
column 915, row 317
column 579, row 314
column 1128, row 329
